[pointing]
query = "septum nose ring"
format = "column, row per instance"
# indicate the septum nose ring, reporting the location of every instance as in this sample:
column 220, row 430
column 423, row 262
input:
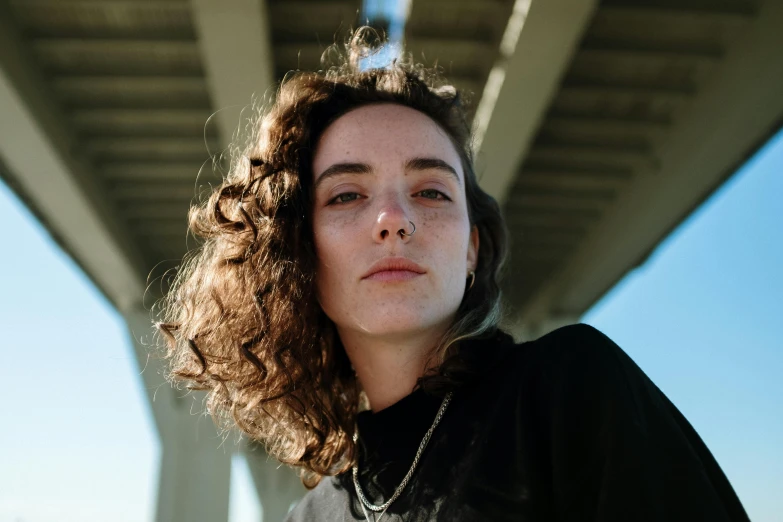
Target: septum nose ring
column 402, row 230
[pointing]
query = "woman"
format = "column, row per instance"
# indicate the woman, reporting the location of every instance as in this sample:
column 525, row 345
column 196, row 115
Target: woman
column 350, row 257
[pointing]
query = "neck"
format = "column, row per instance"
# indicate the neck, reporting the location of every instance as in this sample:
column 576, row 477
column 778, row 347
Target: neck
column 389, row 366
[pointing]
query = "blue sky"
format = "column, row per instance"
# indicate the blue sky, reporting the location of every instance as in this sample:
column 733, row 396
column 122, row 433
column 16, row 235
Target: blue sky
column 702, row 319
column 699, row 317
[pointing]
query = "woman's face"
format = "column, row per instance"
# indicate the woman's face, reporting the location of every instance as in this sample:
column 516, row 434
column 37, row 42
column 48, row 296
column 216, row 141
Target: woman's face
column 377, row 169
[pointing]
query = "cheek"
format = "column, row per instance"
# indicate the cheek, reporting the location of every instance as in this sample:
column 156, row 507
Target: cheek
column 324, row 272
column 332, row 240
column 326, row 242
column 449, row 230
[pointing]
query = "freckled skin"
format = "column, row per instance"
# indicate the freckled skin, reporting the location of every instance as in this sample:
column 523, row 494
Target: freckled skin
column 362, row 227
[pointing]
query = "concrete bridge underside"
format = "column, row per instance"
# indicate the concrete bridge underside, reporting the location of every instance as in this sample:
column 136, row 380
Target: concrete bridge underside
column 601, row 125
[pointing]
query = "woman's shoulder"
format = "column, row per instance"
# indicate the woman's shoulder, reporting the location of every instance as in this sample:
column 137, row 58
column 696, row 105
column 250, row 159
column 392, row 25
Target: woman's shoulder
column 605, row 422
column 569, row 342
column 323, row 502
column 575, row 347
column 575, row 359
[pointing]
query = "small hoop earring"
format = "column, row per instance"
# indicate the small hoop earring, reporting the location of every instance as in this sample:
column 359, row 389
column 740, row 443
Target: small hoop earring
column 402, row 230
column 472, row 276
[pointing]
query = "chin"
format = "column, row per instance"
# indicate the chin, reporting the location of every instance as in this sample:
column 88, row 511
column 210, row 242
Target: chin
column 383, row 321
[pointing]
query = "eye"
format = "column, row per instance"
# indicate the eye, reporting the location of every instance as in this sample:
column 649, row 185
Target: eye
column 345, row 197
column 433, row 194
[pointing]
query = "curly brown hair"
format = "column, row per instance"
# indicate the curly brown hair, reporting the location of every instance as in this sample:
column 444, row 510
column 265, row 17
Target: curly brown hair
column 241, row 319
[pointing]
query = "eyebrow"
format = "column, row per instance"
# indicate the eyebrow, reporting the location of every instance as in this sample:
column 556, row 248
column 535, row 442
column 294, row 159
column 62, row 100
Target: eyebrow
column 417, row 164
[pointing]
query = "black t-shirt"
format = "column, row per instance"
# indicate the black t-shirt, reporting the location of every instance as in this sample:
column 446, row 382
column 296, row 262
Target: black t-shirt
column 563, row 428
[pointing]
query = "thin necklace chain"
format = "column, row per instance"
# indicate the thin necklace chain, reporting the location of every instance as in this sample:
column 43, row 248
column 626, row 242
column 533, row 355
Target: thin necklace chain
column 383, row 507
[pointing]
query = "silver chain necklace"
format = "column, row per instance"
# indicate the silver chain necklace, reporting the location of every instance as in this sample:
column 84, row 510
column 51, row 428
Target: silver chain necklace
column 383, row 507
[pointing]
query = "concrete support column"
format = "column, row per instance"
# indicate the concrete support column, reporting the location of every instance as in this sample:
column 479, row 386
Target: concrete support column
column 278, row 486
column 195, row 467
column 195, row 474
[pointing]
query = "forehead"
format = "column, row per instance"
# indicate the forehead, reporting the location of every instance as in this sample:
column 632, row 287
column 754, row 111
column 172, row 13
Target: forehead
column 381, row 133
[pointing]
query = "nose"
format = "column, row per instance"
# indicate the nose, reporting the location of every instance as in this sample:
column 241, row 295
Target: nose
column 392, row 221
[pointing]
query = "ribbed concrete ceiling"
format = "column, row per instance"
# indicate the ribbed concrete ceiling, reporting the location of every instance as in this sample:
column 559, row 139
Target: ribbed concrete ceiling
column 130, row 80
column 638, row 69
column 614, row 158
column 462, row 37
column 301, row 31
column 130, row 77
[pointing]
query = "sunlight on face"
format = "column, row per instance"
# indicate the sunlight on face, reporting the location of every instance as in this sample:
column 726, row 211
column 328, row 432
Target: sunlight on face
column 377, row 169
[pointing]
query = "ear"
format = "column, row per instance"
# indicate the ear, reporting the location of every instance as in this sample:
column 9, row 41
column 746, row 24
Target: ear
column 473, row 248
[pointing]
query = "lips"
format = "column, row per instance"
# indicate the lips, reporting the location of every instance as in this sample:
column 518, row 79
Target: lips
column 394, row 269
